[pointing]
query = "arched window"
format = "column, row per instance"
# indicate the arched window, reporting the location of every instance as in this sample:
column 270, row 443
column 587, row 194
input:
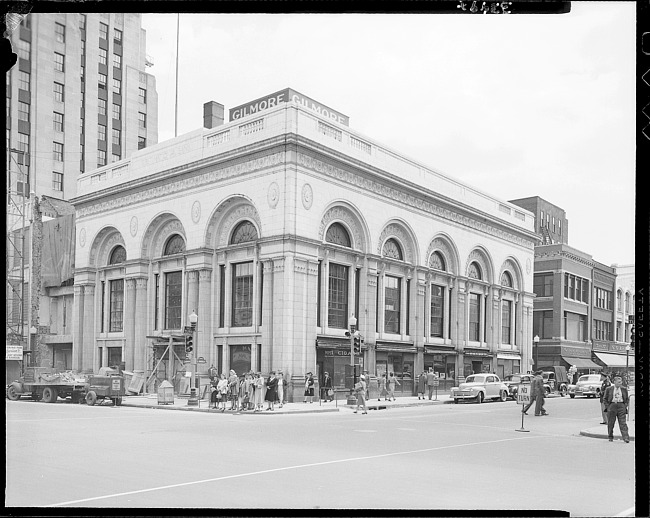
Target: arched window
column 506, row 280
column 336, row 234
column 392, row 249
column 619, row 300
column 243, row 233
column 118, row 255
column 175, row 245
column 437, row 262
column 474, row 271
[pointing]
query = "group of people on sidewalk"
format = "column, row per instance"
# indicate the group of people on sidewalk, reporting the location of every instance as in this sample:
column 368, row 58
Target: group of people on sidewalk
column 427, row 382
column 249, row 392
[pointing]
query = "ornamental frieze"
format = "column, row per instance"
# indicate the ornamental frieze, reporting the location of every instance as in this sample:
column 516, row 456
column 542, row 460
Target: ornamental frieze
column 175, row 187
column 376, row 187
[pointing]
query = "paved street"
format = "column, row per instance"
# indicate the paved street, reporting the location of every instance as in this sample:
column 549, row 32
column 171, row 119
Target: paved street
column 441, row 456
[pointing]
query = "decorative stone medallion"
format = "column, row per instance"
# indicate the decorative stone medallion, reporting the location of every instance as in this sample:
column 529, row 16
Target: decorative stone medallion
column 274, row 195
column 528, row 265
column 82, row 237
column 196, row 211
column 307, row 196
column 134, row 226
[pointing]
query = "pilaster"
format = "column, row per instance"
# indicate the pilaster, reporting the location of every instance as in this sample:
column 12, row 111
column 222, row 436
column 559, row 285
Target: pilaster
column 129, row 324
column 86, row 360
column 141, row 321
column 78, row 327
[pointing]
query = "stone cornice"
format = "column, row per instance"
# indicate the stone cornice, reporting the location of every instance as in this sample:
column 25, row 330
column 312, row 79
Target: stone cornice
column 382, row 188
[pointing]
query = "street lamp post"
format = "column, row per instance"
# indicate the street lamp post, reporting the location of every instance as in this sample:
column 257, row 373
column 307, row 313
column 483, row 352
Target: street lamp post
column 627, row 365
column 352, row 324
column 536, row 343
column 193, row 400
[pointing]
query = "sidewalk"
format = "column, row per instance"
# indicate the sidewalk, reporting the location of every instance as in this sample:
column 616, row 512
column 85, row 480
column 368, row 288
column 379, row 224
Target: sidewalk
column 180, row 403
column 600, row 432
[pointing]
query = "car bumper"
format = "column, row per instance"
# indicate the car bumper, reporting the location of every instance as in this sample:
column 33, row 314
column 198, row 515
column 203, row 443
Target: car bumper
column 464, row 395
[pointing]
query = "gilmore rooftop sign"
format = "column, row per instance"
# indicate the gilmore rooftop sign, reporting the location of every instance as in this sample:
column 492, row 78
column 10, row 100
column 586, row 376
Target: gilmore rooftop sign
column 285, row 96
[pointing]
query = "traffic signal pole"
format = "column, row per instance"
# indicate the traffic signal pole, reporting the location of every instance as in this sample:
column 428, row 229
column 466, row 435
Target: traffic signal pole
column 193, row 400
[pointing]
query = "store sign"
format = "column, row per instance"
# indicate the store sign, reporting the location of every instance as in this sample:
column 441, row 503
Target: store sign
column 576, row 352
column 285, row 96
column 14, row 352
column 337, row 352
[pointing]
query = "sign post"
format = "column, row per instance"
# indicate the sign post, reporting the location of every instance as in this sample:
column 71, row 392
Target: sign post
column 523, row 397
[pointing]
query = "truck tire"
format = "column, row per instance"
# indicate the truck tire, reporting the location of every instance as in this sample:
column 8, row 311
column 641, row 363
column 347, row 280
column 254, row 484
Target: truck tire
column 563, row 390
column 547, row 391
column 91, row 398
column 13, row 392
column 49, row 395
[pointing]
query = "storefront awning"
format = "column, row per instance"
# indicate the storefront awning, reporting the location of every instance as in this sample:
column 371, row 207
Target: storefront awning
column 508, row 356
column 615, row 360
column 581, row 363
column 469, row 352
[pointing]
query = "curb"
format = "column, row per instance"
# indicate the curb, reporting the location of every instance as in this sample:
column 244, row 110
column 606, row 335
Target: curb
column 598, row 435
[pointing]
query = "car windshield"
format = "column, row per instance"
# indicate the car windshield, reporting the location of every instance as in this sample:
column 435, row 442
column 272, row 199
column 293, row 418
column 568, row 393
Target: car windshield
column 588, row 378
column 475, row 379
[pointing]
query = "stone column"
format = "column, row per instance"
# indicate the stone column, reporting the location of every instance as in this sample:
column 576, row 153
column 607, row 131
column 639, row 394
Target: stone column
column 88, row 328
column 78, row 327
column 141, row 298
column 129, row 324
column 204, row 311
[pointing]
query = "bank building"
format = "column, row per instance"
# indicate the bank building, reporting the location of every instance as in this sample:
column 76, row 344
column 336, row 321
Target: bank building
column 275, row 229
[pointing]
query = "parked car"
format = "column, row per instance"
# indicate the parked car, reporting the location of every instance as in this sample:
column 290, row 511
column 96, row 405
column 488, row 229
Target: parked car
column 556, row 380
column 512, row 381
column 480, row 387
column 588, row 385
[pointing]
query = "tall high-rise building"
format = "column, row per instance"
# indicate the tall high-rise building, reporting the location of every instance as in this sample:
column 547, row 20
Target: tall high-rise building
column 78, row 98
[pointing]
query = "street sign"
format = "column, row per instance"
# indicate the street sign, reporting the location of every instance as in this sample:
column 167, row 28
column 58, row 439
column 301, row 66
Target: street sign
column 436, row 382
column 14, row 352
column 523, row 394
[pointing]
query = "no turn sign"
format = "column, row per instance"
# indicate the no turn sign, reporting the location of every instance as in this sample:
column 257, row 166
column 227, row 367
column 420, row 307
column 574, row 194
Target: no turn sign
column 523, row 394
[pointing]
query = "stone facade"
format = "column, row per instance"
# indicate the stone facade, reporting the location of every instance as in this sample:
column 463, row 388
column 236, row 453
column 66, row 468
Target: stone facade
column 275, row 229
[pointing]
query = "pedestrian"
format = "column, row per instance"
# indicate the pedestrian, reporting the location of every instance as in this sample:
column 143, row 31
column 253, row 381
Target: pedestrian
column 222, row 388
column 422, row 382
column 366, row 375
column 246, row 391
column 214, row 392
column 309, row 387
column 431, row 377
column 537, row 395
column 392, row 381
column 382, row 385
column 360, row 392
column 603, row 387
column 617, row 401
column 259, row 392
column 328, row 391
column 271, row 391
column 233, row 389
column 281, row 384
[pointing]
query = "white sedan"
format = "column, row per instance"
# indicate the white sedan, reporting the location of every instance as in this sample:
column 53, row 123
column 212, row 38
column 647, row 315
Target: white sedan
column 480, row 387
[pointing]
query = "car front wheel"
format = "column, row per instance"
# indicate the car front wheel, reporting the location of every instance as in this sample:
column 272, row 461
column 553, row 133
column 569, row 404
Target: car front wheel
column 504, row 395
column 479, row 397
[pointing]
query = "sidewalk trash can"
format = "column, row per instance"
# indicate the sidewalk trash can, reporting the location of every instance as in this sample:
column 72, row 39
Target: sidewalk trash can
column 166, row 393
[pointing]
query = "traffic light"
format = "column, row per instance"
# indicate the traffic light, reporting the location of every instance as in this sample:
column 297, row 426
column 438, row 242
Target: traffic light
column 189, row 343
column 632, row 337
column 357, row 343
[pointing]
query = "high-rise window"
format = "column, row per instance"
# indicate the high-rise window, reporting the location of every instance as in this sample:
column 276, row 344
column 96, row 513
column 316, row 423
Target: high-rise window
column 117, row 134
column 103, row 31
column 23, row 80
column 117, row 37
column 117, row 86
column 543, row 284
column 603, row 298
column 392, row 304
column 117, row 61
column 82, row 22
column 337, row 310
column 474, row 316
column 142, row 142
column 24, row 49
column 101, row 132
column 58, row 152
column 506, row 311
column 57, row 181
column 142, row 119
column 173, row 299
column 102, row 56
column 23, row 111
column 116, row 306
column 242, row 295
column 101, row 82
column 101, row 157
column 101, row 106
column 58, row 92
column 437, row 310
column 117, row 111
column 58, row 121
column 143, row 95
column 576, row 288
column 59, row 62
column 59, row 32
column 543, row 324
column 115, row 158
column 602, row 330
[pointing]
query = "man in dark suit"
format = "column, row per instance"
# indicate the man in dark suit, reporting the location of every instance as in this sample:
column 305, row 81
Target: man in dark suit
column 616, row 402
column 537, row 395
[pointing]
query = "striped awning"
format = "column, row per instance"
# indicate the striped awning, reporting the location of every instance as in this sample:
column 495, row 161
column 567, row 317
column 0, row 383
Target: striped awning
column 615, row 360
column 581, row 363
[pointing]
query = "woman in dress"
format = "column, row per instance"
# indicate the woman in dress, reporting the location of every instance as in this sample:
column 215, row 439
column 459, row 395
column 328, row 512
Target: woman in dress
column 383, row 384
column 271, row 390
column 247, row 392
column 422, row 384
column 259, row 394
column 233, row 389
column 392, row 381
column 309, row 387
column 222, row 388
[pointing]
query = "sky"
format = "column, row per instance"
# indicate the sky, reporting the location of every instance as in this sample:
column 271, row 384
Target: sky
column 513, row 105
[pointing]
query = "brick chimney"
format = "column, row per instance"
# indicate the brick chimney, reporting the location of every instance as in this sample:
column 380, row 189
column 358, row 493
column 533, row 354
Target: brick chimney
column 212, row 115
